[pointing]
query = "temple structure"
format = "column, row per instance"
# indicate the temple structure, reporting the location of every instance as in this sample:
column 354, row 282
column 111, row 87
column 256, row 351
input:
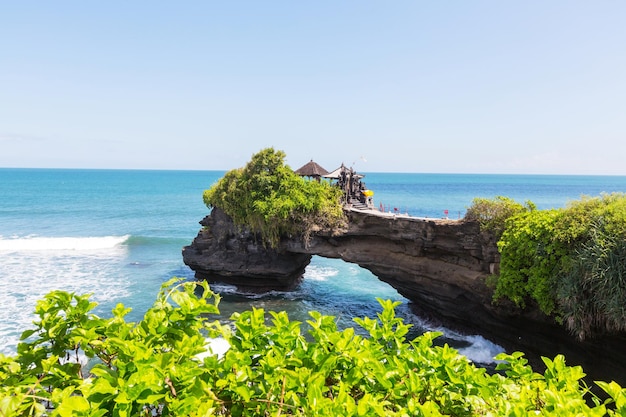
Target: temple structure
column 355, row 193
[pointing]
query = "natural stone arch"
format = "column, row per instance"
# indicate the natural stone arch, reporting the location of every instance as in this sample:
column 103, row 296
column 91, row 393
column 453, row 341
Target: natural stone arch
column 440, row 265
column 437, row 261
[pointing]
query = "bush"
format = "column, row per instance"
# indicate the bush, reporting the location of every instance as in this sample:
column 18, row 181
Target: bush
column 77, row 364
column 493, row 213
column 531, row 259
column 580, row 216
column 160, row 367
column 571, row 262
column 592, row 291
column 267, row 197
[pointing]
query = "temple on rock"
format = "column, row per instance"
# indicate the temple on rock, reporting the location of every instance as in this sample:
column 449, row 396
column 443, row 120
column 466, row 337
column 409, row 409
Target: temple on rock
column 355, row 193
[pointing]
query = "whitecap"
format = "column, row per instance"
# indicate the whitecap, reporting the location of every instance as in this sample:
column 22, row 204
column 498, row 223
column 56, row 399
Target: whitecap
column 37, row 243
column 319, row 273
column 479, row 350
column 41, row 266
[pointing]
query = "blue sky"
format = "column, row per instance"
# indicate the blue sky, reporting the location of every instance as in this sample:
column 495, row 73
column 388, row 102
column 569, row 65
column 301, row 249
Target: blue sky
column 535, row 87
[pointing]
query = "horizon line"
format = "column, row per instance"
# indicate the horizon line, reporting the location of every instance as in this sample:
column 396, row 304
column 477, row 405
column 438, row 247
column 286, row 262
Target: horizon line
column 366, row 172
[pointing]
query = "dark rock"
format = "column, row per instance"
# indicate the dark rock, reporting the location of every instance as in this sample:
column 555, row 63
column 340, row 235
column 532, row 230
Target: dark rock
column 223, row 253
column 440, row 265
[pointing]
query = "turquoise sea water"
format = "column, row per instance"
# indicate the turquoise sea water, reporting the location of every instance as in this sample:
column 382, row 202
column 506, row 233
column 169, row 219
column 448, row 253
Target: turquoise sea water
column 118, row 234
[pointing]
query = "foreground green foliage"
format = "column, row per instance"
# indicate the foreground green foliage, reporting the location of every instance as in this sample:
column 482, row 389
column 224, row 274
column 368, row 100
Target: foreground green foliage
column 267, row 197
column 159, row 367
column 570, row 262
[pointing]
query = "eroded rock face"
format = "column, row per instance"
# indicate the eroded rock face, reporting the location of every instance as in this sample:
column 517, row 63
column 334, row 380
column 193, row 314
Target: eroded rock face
column 440, row 265
column 223, row 253
column 438, row 262
column 408, row 252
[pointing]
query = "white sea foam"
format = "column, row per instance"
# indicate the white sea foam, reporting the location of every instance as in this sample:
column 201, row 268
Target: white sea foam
column 41, row 265
column 224, row 289
column 480, row 349
column 37, row 243
column 319, row 273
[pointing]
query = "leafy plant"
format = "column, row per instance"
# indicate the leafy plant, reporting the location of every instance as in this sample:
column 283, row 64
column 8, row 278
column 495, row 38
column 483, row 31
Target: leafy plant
column 267, row 197
column 593, row 288
column 530, row 259
column 492, row 213
column 580, row 216
column 571, row 262
column 76, row 364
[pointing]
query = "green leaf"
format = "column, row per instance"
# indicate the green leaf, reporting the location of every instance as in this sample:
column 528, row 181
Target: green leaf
column 71, row 406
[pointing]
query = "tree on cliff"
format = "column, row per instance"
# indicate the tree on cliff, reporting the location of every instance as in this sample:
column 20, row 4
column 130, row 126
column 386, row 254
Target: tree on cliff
column 267, row 197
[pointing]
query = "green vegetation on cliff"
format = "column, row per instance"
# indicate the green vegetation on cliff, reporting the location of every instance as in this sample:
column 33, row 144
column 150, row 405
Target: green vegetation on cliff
column 267, row 197
column 160, row 367
column 493, row 213
column 571, row 262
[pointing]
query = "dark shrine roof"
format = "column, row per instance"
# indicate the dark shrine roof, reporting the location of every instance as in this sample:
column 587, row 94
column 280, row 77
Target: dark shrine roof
column 311, row 169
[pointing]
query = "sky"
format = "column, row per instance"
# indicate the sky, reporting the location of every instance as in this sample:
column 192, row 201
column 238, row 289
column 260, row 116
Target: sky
column 521, row 87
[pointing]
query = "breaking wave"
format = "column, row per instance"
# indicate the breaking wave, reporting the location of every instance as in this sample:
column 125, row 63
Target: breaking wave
column 38, row 243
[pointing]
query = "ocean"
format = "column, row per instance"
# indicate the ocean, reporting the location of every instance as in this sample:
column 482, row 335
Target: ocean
column 118, row 235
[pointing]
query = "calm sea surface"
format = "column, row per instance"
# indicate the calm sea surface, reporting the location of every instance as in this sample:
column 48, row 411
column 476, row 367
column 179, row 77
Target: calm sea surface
column 118, row 235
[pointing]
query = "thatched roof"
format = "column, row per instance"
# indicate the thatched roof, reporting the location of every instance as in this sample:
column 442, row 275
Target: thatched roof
column 311, row 169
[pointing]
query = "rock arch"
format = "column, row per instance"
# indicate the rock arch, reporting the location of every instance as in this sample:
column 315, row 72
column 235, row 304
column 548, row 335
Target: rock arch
column 440, row 265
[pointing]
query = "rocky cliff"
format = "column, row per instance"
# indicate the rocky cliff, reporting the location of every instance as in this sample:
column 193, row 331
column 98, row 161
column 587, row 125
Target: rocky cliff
column 440, row 265
column 414, row 255
column 224, row 253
